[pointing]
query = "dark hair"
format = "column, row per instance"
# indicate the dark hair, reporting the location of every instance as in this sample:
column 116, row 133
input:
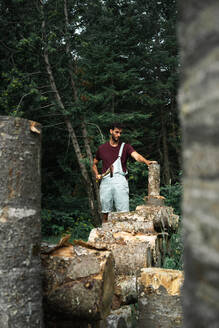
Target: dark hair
column 116, row 125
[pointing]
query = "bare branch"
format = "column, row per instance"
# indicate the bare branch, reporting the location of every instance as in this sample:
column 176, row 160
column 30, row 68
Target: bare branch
column 102, row 137
column 27, row 94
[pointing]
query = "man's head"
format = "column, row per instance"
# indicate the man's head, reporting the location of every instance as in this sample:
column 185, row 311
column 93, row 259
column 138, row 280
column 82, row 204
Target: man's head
column 116, row 131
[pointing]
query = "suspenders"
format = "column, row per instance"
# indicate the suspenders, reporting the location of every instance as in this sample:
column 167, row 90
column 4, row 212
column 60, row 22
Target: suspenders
column 121, row 149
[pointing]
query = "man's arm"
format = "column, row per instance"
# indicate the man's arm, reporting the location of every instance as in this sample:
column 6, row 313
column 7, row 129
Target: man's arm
column 141, row 159
column 95, row 170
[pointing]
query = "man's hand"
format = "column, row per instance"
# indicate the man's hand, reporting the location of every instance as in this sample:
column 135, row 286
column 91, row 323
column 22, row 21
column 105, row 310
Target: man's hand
column 151, row 162
column 98, row 177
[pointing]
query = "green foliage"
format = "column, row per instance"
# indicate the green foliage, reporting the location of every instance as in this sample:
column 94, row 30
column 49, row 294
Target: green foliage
column 174, row 250
column 135, row 200
column 174, row 255
column 173, row 196
column 56, row 223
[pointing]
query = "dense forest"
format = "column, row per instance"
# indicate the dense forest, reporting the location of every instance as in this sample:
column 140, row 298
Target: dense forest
column 75, row 67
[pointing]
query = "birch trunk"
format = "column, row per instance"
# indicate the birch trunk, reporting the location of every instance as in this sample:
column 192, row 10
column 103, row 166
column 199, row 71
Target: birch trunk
column 20, row 233
column 198, row 99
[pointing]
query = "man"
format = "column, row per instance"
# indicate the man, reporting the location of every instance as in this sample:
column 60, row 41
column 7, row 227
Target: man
column 114, row 188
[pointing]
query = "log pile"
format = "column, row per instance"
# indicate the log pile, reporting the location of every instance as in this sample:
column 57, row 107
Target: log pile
column 136, row 242
column 116, row 268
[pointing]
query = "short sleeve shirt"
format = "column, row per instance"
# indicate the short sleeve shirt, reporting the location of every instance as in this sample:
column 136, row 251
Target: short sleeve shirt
column 108, row 154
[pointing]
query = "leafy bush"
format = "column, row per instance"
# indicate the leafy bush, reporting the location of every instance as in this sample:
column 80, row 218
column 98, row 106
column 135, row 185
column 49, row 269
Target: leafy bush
column 173, row 195
column 174, row 254
column 136, row 200
column 56, row 223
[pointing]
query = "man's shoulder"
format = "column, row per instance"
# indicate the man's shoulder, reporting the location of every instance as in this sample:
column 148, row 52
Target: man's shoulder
column 104, row 145
column 128, row 148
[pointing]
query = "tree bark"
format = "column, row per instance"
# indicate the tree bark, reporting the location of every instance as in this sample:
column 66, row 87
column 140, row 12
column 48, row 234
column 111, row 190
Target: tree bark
column 121, row 318
column 20, row 230
column 125, row 291
column 97, row 208
column 145, row 219
column 78, row 282
column 154, row 180
column 198, row 100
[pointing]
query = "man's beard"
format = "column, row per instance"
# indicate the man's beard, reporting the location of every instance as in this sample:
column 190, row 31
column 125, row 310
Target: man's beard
column 115, row 139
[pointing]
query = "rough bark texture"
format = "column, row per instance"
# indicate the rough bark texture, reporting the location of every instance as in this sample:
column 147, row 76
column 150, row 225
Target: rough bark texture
column 159, row 298
column 121, row 318
column 146, row 219
column 198, row 100
column 154, row 180
column 78, row 282
column 125, row 291
column 20, row 231
column 131, row 252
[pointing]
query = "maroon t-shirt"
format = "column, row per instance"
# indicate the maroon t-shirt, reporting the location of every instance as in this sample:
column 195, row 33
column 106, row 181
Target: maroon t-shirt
column 108, row 154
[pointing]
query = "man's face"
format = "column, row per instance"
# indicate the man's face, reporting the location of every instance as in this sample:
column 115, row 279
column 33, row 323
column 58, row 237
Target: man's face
column 115, row 134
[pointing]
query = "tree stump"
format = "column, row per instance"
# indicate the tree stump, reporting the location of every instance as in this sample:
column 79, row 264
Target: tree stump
column 20, row 230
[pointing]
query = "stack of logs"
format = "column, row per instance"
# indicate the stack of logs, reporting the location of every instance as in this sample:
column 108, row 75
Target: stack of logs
column 98, row 283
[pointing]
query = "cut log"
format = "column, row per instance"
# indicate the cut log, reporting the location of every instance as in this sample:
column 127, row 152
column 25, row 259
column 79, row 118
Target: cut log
column 121, row 318
column 159, row 298
column 154, row 218
column 125, row 291
column 20, row 231
column 131, row 253
column 131, row 226
column 162, row 216
column 78, row 281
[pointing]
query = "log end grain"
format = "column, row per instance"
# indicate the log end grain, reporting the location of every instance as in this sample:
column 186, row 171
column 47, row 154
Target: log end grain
column 78, row 282
column 159, row 298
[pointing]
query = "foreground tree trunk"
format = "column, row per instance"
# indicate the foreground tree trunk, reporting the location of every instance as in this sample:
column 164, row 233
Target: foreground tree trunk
column 198, row 98
column 20, row 166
